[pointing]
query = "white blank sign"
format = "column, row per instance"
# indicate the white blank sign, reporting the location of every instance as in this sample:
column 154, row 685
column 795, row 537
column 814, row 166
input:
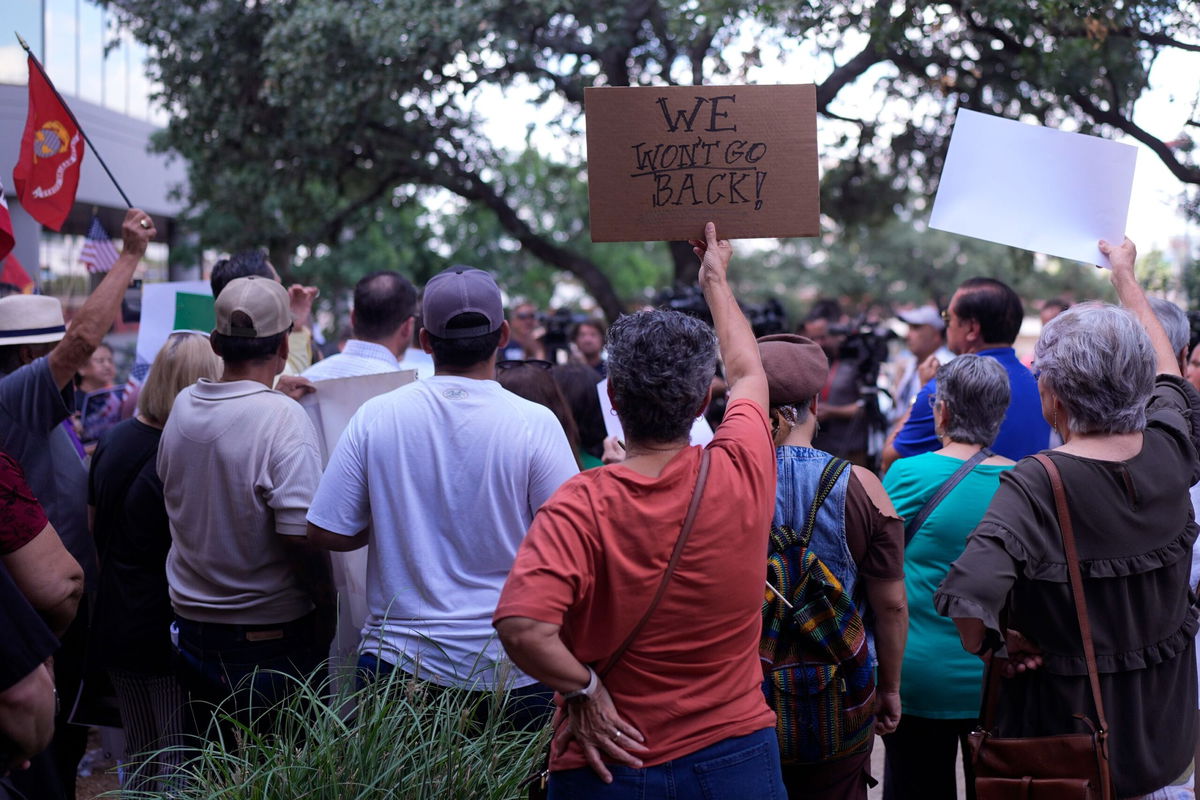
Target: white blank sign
column 1035, row 188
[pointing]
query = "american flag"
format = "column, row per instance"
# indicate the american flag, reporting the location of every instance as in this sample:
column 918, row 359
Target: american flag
column 98, row 253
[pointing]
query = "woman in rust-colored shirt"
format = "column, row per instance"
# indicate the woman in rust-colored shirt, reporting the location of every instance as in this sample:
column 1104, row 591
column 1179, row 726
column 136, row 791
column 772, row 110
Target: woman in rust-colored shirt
column 682, row 710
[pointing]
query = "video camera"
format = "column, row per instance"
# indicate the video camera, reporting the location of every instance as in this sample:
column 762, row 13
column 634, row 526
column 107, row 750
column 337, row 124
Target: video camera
column 765, row 318
column 558, row 325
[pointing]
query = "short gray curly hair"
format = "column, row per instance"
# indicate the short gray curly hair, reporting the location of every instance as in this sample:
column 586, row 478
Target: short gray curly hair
column 660, row 367
column 1099, row 361
column 975, row 390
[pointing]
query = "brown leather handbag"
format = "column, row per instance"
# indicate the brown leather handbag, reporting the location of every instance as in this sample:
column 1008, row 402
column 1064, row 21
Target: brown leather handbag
column 1067, row 767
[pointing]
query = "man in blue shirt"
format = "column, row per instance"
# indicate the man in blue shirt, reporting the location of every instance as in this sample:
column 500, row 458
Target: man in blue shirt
column 983, row 317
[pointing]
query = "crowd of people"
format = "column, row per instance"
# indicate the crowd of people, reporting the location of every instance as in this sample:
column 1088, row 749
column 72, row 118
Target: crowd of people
column 736, row 619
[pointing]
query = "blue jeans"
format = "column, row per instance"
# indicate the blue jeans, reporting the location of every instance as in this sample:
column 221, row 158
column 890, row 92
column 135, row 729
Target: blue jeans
column 732, row 769
column 216, row 663
column 527, row 708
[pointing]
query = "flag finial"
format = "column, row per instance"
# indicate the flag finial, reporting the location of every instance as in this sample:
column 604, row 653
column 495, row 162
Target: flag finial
column 24, row 44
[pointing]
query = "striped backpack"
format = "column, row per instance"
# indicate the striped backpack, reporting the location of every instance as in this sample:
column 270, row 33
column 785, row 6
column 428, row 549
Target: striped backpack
column 816, row 664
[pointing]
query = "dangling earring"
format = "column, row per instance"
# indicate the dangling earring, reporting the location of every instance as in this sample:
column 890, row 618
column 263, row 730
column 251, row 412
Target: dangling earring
column 1054, row 424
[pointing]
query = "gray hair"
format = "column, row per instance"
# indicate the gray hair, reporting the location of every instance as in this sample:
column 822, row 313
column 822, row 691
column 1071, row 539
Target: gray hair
column 660, row 367
column 1174, row 322
column 975, row 390
column 1099, row 361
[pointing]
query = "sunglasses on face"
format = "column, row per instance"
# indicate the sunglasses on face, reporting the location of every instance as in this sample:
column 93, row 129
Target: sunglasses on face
column 509, row 363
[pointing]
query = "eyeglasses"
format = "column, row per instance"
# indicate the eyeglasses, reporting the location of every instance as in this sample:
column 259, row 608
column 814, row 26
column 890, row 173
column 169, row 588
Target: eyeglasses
column 525, row 315
column 933, row 399
column 509, row 363
column 945, row 315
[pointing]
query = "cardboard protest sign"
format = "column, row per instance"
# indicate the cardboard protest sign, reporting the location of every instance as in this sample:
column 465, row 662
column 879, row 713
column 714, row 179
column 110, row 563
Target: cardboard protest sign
column 1036, row 188
column 663, row 160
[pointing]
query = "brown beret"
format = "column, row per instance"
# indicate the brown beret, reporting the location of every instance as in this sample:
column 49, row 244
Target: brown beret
column 796, row 367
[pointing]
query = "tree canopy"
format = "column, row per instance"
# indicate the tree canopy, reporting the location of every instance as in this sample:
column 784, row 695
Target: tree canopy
column 322, row 125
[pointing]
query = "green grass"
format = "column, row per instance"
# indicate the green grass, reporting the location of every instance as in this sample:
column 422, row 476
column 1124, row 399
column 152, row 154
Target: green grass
column 394, row 739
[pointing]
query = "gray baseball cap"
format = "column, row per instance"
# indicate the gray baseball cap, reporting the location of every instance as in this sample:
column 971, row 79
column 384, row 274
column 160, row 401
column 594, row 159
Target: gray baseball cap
column 461, row 290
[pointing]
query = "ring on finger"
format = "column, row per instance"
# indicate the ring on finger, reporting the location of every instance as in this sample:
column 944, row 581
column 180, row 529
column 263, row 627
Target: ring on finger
column 616, row 735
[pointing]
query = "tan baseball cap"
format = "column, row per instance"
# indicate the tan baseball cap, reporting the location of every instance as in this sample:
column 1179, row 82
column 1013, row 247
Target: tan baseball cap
column 264, row 303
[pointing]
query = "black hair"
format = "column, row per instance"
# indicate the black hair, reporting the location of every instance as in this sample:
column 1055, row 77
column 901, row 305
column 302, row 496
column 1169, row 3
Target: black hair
column 7, row 289
column 243, row 349
column 994, row 305
column 590, row 322
column 239, row 265
column 11, row 358
column 578, row 384
column 382, row 302
column 825, row 308
column 464, row 353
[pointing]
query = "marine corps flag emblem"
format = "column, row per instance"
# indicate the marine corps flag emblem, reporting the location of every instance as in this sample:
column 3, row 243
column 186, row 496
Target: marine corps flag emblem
column 47, row 172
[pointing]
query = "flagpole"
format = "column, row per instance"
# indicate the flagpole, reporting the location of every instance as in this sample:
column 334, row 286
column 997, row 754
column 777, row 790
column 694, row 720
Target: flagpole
column 71, row 114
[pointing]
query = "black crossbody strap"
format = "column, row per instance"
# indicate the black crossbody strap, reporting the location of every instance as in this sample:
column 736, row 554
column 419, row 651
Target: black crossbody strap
column 914, row 525
column 829, row 478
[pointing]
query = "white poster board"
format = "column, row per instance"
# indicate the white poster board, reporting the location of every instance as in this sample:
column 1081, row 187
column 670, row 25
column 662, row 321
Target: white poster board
column 334, row 402
column 702, row 432
column 1035, row 188
column 330, row 408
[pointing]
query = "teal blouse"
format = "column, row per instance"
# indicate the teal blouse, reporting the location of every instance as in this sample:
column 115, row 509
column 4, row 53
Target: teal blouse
column 939, row 680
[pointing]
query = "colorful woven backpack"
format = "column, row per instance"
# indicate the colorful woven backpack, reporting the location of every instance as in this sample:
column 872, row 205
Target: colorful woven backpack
column 816, row 664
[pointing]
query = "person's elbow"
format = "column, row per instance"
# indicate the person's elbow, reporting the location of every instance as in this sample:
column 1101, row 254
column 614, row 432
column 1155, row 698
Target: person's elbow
column 324, row 539
column 522, row 635
column 60, row 601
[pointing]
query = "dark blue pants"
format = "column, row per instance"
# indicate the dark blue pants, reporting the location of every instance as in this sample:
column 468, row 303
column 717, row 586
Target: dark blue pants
column 245, row 669
column 527, row 708
column 732, row 769
column 922, row 759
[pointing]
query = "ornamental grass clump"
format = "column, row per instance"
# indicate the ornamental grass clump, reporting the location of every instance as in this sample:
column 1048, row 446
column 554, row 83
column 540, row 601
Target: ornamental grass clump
column 397, row 739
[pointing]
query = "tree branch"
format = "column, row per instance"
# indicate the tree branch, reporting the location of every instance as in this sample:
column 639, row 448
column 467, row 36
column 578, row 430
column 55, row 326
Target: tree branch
column 457, row 179
column 847, row 73
column 1184, row 172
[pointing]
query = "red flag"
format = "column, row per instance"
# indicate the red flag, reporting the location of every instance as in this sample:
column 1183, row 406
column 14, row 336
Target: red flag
column 47, row 171
column 6, row 234
column 12, row 272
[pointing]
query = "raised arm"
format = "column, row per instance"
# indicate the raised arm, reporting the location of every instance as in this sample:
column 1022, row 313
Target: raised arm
column 96, row 317
column 1121, row 258
column 739, row 350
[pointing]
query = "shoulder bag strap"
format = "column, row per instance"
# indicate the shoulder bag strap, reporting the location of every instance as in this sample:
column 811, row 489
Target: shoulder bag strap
column 688, row 521
column 914, row 525
column 829, row 478
column 1076, row 579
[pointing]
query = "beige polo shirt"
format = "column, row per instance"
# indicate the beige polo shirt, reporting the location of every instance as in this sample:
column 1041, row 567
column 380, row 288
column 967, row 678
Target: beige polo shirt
column 239, row 464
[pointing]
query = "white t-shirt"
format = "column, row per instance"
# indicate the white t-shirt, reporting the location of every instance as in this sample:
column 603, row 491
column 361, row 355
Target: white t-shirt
column 239, row 464
column 448, row 473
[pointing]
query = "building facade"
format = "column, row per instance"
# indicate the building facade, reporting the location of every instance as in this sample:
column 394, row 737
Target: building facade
column 100, row 71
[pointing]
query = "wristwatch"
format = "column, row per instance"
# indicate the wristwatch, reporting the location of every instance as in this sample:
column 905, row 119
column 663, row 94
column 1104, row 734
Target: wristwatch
column 585, row 694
